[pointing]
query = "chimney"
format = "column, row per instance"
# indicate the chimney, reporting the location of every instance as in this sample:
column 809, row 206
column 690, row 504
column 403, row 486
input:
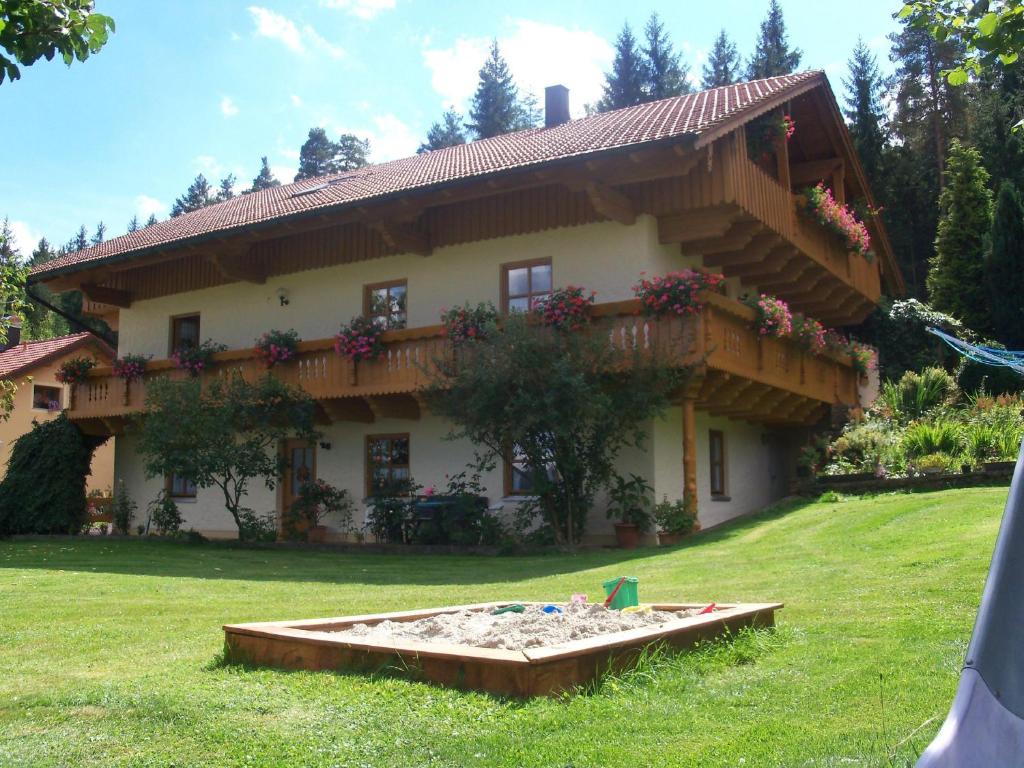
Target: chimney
column 556, row 105
column 13, row 333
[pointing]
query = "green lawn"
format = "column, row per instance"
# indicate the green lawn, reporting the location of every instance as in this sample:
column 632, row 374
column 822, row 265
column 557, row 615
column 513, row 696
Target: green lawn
column 109, row 651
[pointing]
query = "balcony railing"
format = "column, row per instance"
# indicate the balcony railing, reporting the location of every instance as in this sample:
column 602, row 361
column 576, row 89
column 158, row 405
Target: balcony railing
column 722, row 336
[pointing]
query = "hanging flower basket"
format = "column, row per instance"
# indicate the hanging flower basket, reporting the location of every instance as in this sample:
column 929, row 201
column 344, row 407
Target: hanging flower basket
column 764, row 132
column 74, row 371
column 567, row 309
column 773, row 316
column 833, row 215
column 196, row 358
column 809, row 333
column 863, row 357
column 360, row 340
column 466, row 323
column 275, row 347
column 677, row 293
column 130, row 367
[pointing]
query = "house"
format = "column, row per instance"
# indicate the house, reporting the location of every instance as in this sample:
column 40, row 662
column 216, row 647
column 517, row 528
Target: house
column 705, row 181
column 33, row 366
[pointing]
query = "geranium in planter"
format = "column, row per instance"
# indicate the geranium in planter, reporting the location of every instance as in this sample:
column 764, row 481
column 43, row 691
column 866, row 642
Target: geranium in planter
column 836, row 342
column 773, row 316
column 864, row 357
column 675, row 519
column 809, row 333
column 360, row 340
column 74, row 371
column 468, row 323
column 566, row 309
column 677, row 293
column 196, row 358
column 629, row 502
column 316, row 500
column 763, row 132
column 833, row 215
column 130, row 367
column 275, row 347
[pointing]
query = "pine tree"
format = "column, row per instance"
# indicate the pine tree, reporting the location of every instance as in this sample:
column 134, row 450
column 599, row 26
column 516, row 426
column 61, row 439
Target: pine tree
column 133, row 224
column 151, row 220
column 864, row 111
column 624, row 85
column 1004, row 268
column 665, row 74
column 226, row 188
column 723, row 64
column 772, row 54
column 265, row 178
column 199, row 195
column 497, row 108
column 79, row 242
column 956, row 283
column 320, row 156
column 100, row 234
column 447, row 132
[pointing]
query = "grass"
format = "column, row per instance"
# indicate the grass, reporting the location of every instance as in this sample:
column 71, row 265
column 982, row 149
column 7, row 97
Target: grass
column 109, row 650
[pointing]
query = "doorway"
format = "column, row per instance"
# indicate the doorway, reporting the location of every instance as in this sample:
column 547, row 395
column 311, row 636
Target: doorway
column 299, row 469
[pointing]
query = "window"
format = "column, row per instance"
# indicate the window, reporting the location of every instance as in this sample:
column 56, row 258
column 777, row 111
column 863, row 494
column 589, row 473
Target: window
column 519, row 479
column 524, row 284
column 46, row 398
column 180, row 488
column 384, row 303
column 716, row 453
column 184, row 332
column 387, row 462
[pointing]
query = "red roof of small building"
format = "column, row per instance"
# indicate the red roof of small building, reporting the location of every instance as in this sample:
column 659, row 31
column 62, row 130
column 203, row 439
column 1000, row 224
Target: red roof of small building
column 702, row 115
column 31, row 354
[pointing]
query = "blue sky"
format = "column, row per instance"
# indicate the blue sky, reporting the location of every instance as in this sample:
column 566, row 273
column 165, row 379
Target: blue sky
column 211, row 85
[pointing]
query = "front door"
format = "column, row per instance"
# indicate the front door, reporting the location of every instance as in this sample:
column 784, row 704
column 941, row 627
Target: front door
column 300, row 468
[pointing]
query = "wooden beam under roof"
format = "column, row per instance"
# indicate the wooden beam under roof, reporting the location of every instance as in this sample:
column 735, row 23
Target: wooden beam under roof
column 758, row 248
column 812, row 171
column 699, row 224
column 402, row 237
column 240, row 265
column 736, row 238
column 104, row 295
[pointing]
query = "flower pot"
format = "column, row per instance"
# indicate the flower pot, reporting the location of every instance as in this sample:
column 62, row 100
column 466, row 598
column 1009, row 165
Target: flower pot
column 627, row 535
column 1000, row 466
column 668, row 538
column 316, row 534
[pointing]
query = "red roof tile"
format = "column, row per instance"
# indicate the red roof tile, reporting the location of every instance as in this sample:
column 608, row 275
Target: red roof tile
column 691, row 115
column 22, row 357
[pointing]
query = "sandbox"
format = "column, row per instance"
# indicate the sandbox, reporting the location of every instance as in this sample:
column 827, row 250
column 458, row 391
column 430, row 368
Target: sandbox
column 369, row 644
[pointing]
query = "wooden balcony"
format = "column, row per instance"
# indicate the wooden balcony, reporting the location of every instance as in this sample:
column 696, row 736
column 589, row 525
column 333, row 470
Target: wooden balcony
column 739, row 373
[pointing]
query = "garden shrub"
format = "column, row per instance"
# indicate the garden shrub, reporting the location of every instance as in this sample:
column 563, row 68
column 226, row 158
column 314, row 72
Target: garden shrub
column 915, row 394
column 164, row 516
column 44, row 489
column 924, row 438
column 122, row 509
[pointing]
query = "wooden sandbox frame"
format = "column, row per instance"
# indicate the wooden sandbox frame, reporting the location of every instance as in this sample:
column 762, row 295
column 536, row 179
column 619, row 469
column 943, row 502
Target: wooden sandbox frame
column 313, row 645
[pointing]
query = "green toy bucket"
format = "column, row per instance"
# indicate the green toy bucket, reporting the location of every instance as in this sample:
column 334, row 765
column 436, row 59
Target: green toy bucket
column 627, row 594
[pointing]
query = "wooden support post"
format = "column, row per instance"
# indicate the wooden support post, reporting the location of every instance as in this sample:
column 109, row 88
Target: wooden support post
column 690, row 454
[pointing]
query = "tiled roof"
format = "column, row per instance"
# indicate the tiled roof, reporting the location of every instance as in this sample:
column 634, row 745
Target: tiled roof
column 691, row 115
column 22, row 357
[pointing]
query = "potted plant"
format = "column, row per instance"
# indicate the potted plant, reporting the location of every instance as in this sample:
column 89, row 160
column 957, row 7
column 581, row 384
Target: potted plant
column 773, row 316
column 629, row 502
column 360, row 340
column 675, row 520
column 196, row 358
column 566, row 309
column 467, row 323
column 130, row 367
column 75, row 370
column 677, row 293
column 315, row 501
column 275, row 347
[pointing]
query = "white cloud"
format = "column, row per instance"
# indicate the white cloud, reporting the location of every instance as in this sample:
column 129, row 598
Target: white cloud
column 334, row 51
column 296, row 100
column 146, row 206
column 25, row 237
column 208, row 165
column 392, row 139
column 277, row 27
column 363, row 9
column 291, row 154
column 538, row 55
column 228, row 108
column 284, row 173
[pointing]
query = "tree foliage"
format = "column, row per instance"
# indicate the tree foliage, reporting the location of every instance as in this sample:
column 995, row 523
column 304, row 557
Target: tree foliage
column 956, row 282
column 319, row 156
column 624, row 85
column 1004, row 269
column 447, row 132
column 198, row 195
column 566, row 400
column 864, row 112
column 12, row 287
column 41, row 29
column 497, row 107
column 265, row 178
column 665, row 73
column 222, row 433
column 772, row 55
column 723, row 64
column 44, row 488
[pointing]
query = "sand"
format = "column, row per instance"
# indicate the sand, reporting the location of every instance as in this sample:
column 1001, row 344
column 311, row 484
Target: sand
column 511, row 631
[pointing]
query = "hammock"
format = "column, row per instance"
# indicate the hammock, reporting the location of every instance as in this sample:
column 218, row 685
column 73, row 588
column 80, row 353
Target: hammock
column 1002, row 358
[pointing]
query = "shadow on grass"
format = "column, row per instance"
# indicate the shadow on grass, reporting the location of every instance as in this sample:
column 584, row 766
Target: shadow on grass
column 232, row 561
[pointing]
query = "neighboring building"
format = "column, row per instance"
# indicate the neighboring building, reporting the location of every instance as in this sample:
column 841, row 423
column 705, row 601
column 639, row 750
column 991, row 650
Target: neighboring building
column 32, row 366
column 593, row 202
